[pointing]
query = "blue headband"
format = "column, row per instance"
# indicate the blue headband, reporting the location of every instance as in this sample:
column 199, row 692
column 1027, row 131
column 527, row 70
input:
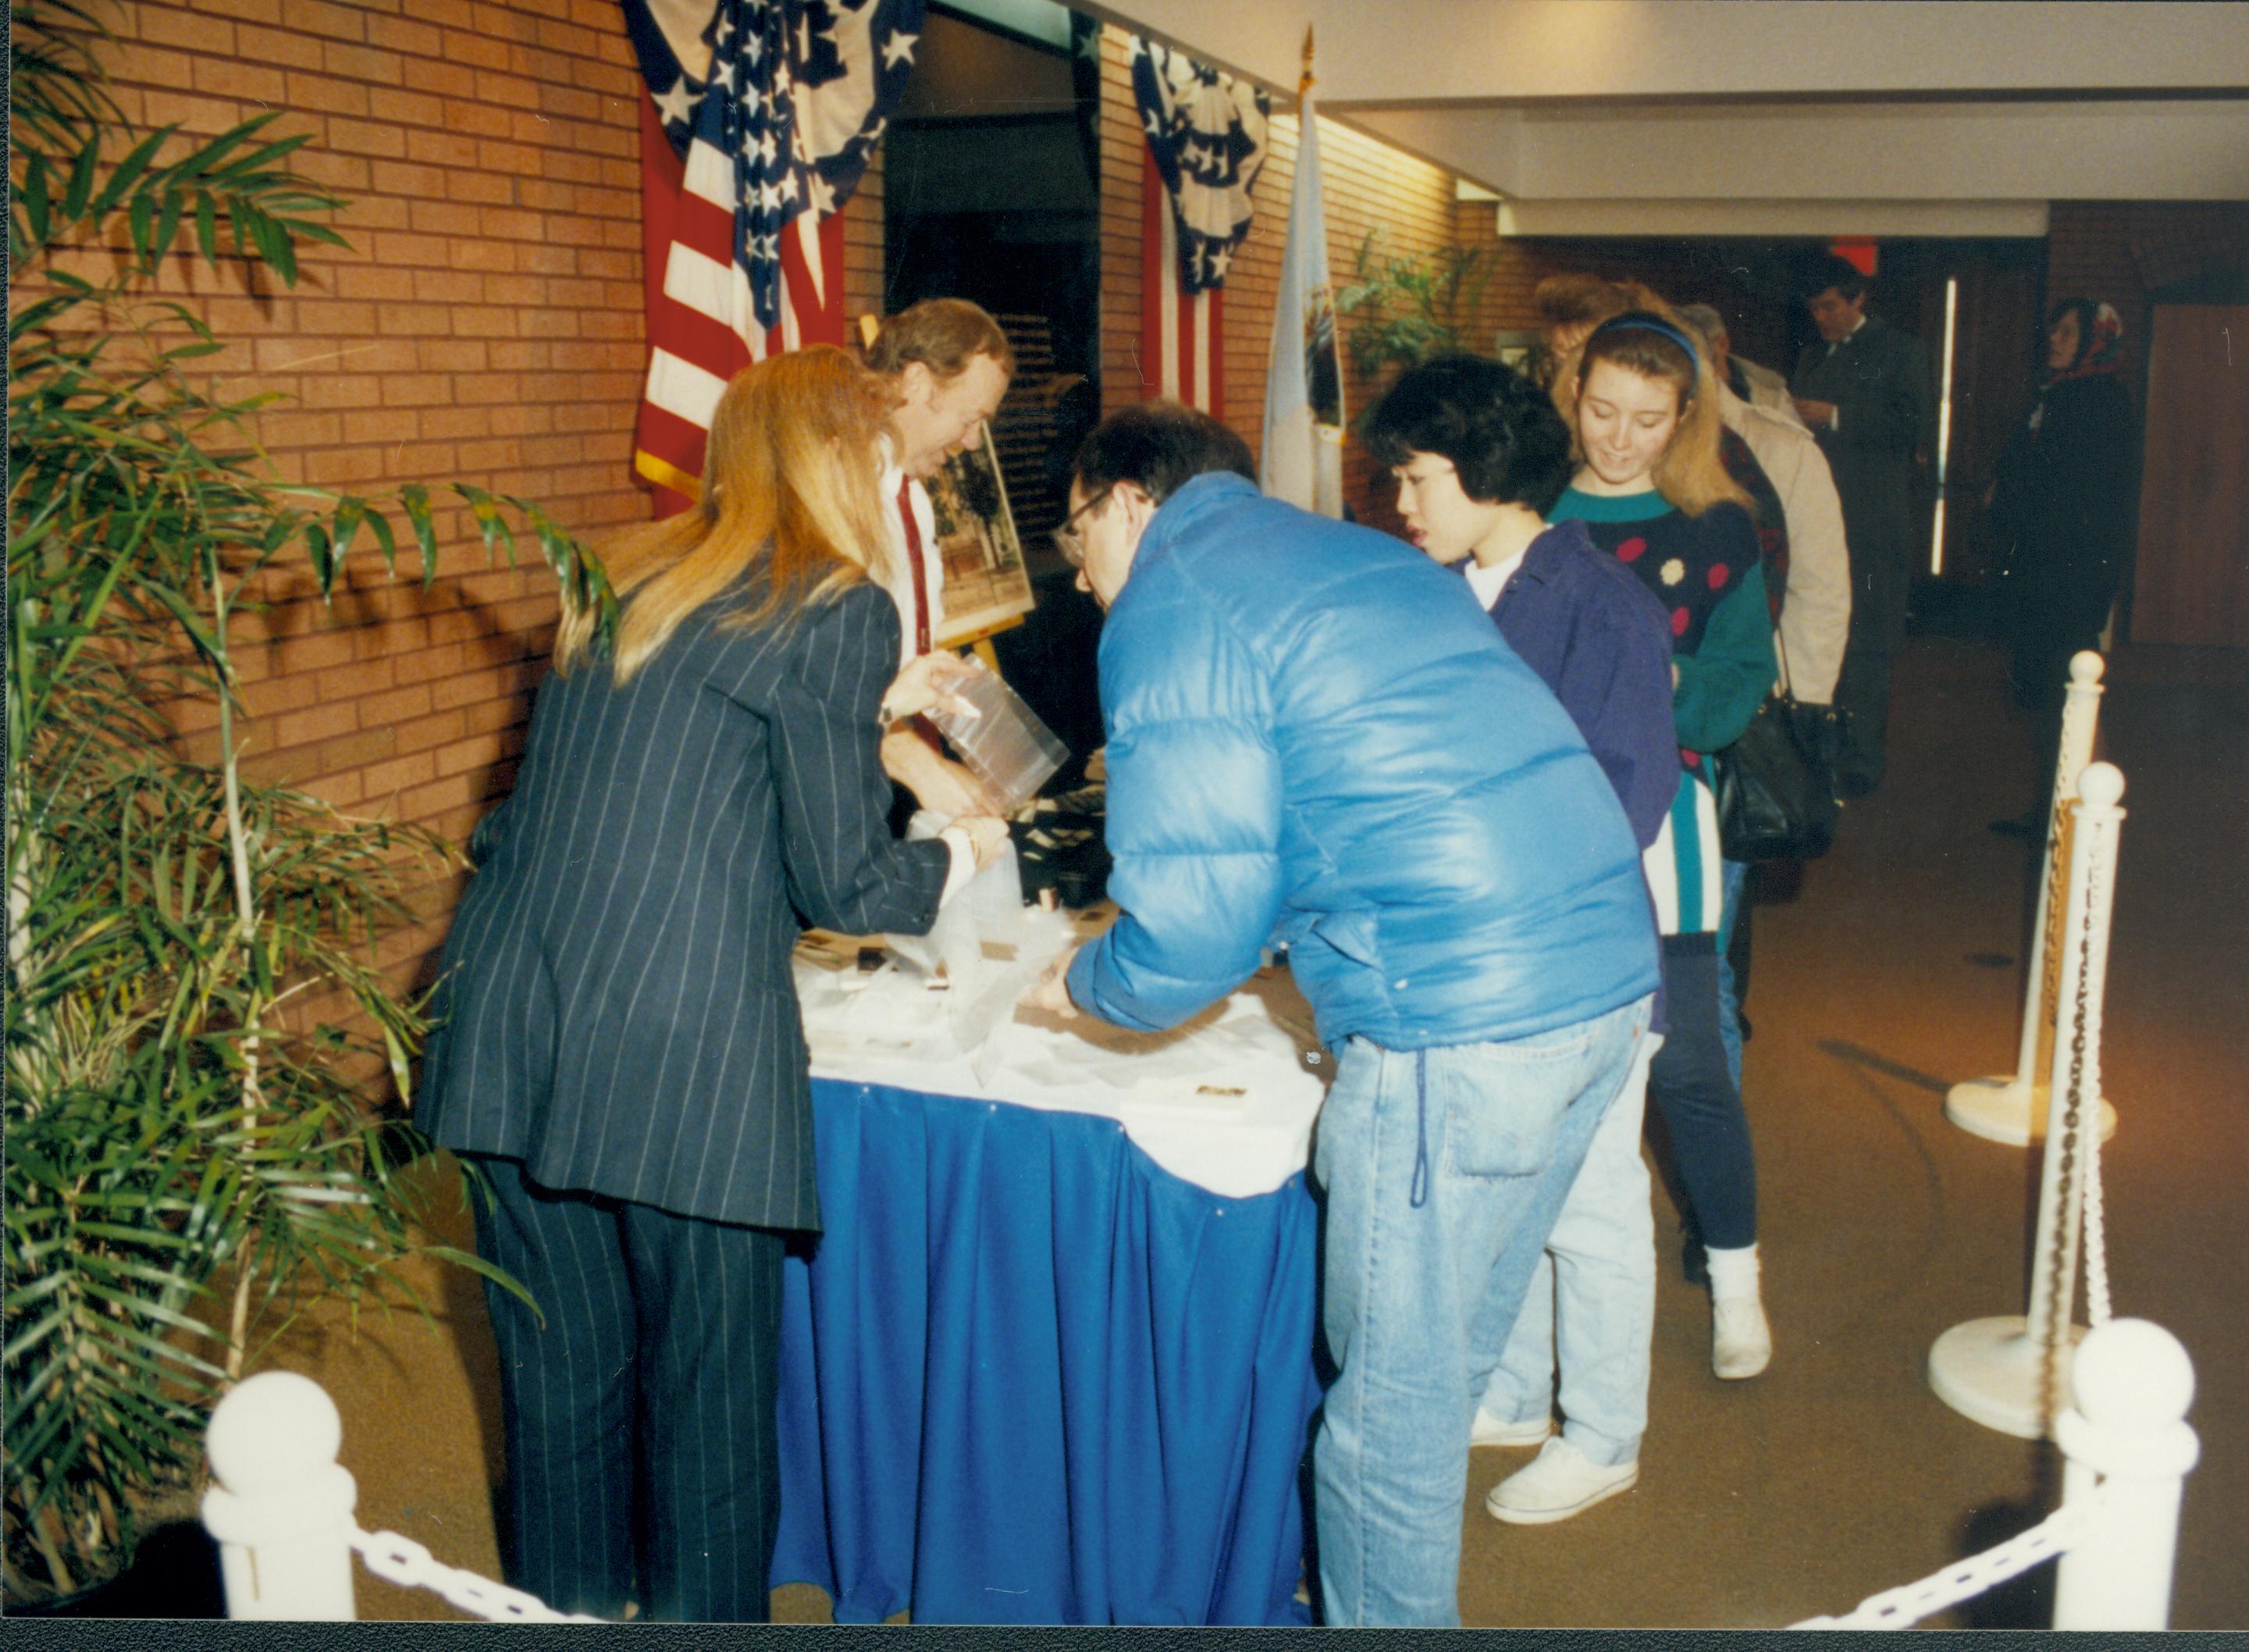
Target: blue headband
column 1648, row 324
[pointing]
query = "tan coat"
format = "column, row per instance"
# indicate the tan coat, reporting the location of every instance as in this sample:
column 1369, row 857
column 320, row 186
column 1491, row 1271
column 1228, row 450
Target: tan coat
column 1815, row 620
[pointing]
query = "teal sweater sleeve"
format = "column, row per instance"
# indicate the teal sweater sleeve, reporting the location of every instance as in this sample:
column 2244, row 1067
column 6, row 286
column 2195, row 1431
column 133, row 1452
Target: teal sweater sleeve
column 1723, row 683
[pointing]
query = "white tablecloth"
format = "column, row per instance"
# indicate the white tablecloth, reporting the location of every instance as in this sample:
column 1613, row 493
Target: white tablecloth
column 1226, row 1101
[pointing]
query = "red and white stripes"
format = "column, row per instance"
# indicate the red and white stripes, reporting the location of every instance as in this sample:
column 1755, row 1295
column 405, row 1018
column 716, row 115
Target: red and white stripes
column 1182, row 338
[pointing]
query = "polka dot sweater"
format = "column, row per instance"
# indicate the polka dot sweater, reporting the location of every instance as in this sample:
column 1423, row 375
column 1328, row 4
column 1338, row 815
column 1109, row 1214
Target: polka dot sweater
column 1705, row 571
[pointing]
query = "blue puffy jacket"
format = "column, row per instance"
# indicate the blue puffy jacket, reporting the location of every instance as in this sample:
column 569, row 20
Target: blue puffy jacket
column 1316, row 737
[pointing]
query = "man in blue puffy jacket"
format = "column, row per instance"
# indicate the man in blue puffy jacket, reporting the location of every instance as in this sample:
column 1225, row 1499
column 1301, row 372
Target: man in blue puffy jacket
column 1317, row 739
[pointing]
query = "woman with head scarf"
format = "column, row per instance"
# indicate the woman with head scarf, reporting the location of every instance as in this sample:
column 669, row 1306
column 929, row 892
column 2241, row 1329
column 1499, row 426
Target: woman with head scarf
column 2065, row 499
column 2063, row 504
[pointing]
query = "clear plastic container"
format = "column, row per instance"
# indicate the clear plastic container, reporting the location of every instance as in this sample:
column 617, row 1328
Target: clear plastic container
column 1005, row 746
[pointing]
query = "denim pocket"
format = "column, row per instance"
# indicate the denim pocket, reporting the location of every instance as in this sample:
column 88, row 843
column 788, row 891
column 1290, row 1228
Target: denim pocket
column 1503, row 1103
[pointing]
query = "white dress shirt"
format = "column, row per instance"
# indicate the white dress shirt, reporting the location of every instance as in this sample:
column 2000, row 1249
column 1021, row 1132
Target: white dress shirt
column 932, row 559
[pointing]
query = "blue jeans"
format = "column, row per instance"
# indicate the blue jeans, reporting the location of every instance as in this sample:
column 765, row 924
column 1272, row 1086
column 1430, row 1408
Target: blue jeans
column 1730, row 1002
column 1444, row 1170
column 1594, row 1297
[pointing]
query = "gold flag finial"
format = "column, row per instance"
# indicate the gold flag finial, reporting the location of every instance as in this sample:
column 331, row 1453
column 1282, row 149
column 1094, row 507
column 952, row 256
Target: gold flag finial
column 1304, row 82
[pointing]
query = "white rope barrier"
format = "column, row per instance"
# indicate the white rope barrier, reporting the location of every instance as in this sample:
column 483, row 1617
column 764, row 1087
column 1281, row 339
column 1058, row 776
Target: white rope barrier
column 2011, row 1373
column 1910, row 1603
column 2009, row 1108
column 281, row 1507
column 401, row 1560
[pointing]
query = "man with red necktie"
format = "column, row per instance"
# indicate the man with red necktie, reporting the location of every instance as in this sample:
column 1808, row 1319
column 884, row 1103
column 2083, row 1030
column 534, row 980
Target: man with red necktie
column 950, row 364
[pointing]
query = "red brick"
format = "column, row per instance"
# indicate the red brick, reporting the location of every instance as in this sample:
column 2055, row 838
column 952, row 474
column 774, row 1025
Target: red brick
column 402, row 177
column 304, row 728
column 541, row 260
column 450, row 286
column 440, row 148
column 251, row 10
column 359, row 678
column 482, row 188
column 327, row 316
column 450, row 355
column 515, row 159
column 335, row 21
column 431, row 733
column 408, row 108
column 381, row 281
column 407, row 320
column 426, row 252
column 365, row 63
column 492, row 257
column 206, row 116
column 346, row 467
column 394, row 706
column 400, row 34
column 382, row 778
column 415, row 389
column 484, row 321
column 476, row 49
column 366, row 138
column 447, row 219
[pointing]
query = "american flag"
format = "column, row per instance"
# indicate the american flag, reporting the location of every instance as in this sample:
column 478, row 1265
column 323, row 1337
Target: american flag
column 1206, row 143
column 760, row 118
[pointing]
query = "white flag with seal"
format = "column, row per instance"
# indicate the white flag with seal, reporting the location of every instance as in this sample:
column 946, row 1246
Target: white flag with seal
column 1303, row 458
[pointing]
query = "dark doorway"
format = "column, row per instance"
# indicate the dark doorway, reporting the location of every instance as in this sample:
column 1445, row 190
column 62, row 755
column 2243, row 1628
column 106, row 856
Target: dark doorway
column 990, row 193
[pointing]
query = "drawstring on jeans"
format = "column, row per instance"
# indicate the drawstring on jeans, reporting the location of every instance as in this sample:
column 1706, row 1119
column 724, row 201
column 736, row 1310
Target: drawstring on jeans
column 1417, row 1194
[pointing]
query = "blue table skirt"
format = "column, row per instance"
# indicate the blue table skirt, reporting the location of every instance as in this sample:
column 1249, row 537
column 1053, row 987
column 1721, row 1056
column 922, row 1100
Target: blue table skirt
column 1030, row 1377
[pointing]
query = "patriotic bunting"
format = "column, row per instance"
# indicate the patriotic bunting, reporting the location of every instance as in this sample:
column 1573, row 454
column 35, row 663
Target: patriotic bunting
column 1206, row 143
column 760, row 118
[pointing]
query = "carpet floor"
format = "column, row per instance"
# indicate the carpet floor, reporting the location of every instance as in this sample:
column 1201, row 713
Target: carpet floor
column 1889, row 971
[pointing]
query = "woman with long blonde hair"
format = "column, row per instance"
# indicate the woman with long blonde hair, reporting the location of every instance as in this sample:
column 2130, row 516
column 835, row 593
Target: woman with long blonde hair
column 620, row 1054
column 1650, row 490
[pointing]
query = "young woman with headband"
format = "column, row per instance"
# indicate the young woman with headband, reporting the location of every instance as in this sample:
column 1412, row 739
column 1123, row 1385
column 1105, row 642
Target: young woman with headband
column 1651, row 490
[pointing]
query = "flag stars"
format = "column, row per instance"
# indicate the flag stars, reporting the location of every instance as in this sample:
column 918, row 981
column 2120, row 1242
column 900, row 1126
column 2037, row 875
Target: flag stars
column 898, row 49
column 677, row 104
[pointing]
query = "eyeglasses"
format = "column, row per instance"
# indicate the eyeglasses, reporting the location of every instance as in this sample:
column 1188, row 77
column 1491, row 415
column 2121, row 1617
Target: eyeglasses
column 1068, row 539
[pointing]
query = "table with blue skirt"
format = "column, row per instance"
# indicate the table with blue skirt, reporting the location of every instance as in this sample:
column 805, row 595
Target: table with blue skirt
column 1051, row 1361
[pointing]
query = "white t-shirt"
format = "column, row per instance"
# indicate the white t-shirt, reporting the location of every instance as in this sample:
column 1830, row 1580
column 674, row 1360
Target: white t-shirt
column 1488, row 583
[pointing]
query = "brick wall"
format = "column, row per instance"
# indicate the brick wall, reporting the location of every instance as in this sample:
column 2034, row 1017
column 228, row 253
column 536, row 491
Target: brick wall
column 484, row 326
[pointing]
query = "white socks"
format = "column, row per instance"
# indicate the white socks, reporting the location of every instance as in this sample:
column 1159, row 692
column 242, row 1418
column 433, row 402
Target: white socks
column 1733, row 1273
column 1740, row 1340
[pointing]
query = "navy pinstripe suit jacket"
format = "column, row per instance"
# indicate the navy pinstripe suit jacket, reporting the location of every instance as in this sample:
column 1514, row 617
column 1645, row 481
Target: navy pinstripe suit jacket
column 617, row 1011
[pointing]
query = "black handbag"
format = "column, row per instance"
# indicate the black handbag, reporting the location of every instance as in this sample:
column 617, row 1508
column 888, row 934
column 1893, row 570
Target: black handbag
column 1775, row 790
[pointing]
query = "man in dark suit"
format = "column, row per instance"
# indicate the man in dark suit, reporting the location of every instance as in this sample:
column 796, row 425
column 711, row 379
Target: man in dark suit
column 1863, row 391
column 621, row 1059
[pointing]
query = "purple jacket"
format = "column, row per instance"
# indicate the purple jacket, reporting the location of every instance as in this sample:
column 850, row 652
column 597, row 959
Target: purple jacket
column 1595, row 636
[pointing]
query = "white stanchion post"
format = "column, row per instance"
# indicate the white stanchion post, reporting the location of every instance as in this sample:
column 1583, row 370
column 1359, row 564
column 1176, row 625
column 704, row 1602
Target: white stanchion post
column 2012, row 1372
column 2010, row 1108
column 282, row 1507
column 2127, row 1440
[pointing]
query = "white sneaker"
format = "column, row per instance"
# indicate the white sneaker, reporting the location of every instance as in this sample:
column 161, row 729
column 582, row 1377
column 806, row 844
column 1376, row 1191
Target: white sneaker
column 1488, row 1431
column 1560, row 1481
column 1741, row 1341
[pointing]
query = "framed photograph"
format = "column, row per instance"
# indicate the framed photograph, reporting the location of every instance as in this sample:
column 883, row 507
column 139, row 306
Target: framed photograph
column 987, row 587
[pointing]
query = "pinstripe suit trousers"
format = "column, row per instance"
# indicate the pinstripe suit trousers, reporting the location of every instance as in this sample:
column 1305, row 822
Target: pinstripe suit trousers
column 640, row 1446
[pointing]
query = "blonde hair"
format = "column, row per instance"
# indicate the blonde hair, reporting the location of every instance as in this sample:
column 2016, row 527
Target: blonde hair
column 1690, row 473
column 790, row 479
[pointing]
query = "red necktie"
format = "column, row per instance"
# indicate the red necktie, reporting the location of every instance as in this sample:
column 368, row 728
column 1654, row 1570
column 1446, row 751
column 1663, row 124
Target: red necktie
column 913, row 560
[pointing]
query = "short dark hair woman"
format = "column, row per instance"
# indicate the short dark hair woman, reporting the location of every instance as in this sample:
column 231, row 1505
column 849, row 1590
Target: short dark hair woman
column 622, row 1056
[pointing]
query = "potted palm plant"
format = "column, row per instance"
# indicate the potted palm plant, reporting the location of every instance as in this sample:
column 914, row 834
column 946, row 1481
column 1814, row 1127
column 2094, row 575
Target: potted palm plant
column 193, row 1150
column 1411, row 308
